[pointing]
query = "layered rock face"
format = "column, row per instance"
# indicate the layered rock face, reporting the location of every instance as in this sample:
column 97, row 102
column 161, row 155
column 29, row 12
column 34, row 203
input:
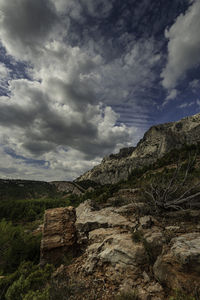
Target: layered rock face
column 157, row 141
column 59, row 234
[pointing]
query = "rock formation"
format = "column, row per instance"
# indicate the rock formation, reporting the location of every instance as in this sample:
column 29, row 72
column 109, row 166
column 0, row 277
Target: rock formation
column 68, row 187
column 157, row 141
column 122, row 251
column 58, row 234
column 178, row 267
column 120, row 245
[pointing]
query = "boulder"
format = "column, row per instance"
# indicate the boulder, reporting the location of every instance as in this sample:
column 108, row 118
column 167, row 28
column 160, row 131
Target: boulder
column 89, row 219
column 186, row 250
column 113, row 246
column 59, row 234
column 106, row 234
column 179, row 264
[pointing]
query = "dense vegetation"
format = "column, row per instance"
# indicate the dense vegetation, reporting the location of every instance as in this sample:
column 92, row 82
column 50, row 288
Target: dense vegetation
column 16, row 246
column 22, row 205
column 26, row 189
column 28, row 282
column 28, row 210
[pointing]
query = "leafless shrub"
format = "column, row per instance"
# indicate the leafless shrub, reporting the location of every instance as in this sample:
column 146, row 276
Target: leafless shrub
column 173, row 192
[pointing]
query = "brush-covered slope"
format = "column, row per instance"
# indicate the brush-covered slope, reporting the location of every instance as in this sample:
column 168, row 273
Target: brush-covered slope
column 30, row 189
column 157, row 141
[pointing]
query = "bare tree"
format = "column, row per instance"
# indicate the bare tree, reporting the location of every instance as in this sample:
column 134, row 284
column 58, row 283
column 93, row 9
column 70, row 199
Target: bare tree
column 173, row 193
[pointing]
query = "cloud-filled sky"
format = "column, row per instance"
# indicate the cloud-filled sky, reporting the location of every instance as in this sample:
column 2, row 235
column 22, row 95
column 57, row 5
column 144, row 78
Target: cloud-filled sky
column 80, row 79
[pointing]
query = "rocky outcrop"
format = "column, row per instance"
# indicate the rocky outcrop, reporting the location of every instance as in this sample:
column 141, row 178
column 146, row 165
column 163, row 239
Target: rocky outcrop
column 178, row 267
column 123, row 153
column 59, row 234
column 68, row 187
column 157, row 141
column 89, row 219
column 109, row 249
column 114, row 247
column 121, row 251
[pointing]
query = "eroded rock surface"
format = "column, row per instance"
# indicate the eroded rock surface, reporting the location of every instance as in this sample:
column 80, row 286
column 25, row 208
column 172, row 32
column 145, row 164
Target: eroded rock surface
column 111, row 251
column 59, row 234
column 178, row 267
column 115, row 247
column 89, row 219
column 112, row 260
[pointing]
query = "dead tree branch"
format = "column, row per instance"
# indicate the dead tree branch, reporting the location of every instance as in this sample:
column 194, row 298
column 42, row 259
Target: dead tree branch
column 174, row 193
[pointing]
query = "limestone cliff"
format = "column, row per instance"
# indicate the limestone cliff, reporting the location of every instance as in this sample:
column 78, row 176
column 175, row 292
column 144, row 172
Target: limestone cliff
column 157, row 141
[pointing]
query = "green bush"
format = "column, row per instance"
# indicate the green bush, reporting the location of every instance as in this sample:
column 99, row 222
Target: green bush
column 28, row 210
column 37, row 295
column 16, row 246
column 31, row 283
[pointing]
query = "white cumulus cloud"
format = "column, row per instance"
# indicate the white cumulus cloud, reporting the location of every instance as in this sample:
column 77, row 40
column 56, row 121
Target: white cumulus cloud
column 183, row 46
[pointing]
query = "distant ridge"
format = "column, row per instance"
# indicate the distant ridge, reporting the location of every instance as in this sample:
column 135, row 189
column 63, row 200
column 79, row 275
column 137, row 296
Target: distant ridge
column 32, row 189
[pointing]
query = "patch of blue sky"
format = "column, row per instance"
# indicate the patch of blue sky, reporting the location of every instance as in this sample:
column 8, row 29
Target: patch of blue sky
column 18, row 69
column 29, row 161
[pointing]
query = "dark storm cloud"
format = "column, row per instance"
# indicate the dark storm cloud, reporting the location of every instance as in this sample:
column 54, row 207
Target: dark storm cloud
column 79, row 134
column 45, row 127
column 27, row 21
column 15, row 116
column 77, row 94
column 36, row 147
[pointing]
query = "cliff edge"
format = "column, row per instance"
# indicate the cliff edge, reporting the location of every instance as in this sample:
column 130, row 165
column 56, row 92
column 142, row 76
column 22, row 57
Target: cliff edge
column 157, row 141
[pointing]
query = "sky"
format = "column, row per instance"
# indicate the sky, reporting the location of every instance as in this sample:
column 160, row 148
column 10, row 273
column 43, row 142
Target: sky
column 80, row 79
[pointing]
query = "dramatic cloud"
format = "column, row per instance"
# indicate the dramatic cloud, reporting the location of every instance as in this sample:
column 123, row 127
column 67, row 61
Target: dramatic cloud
column 47, row 123
column 25, row 25
column 183, row 46
column 81, row 79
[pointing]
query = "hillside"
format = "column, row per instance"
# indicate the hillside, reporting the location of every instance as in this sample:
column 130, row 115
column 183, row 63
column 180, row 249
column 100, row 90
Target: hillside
column 26, row 200
column 30, row 189
column 157, row 141
column 25, row 189
column 136, row 239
